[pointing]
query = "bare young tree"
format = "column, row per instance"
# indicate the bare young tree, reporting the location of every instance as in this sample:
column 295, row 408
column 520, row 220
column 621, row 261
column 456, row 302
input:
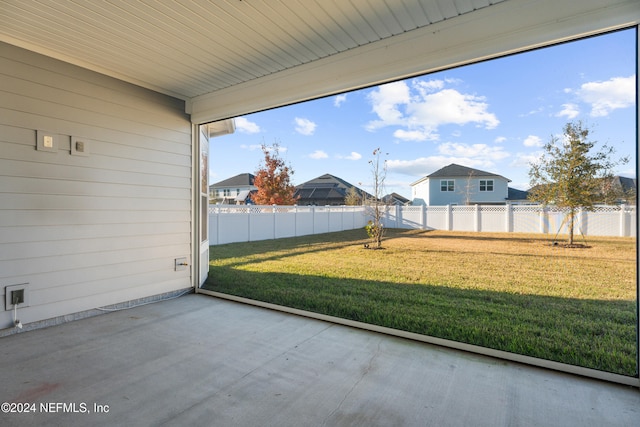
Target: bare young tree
column 376, row 207
column 468, row 189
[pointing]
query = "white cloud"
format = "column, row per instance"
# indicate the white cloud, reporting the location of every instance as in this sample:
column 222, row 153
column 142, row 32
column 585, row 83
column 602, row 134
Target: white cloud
column 533, row 112
column 251, row 147
column 480, row 156
column 318, row 154
column 418, row 111
column 533, row 141
column 304, row 126
column 452, row 80
column 352, row 156
column 426, row 87
column 245, row 126
column 451, row 106
column 524, row 160
column 339, row 100
column 418, row 167
column 385, row 101
column 570, row 111
column 500, row 140
column 482, row 152
column 423, row 166
column 604, row 97
column 414, row 135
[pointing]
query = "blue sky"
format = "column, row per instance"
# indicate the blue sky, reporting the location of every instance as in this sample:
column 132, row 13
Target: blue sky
column 494, row 116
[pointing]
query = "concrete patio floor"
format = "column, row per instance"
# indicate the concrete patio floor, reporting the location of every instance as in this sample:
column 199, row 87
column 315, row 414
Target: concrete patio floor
column 198, row 360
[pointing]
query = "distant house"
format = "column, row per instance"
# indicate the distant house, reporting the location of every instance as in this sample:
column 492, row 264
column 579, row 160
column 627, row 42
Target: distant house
column 232, row 191
column 518, row 197
column 394, row 199
column 615, row 190
column 621, row 189
column 460, row 185
column 325, row 190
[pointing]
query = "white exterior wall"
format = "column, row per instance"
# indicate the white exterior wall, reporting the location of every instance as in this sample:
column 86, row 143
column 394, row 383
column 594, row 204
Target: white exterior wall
column 420, row 192
column 428, row 191
column 443, row 198
column 234, row 191
column 498, row 195
column 95, row 230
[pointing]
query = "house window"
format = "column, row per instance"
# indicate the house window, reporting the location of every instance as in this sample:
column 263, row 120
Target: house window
column 227, row 192
column 446, row 185
column 486, row 185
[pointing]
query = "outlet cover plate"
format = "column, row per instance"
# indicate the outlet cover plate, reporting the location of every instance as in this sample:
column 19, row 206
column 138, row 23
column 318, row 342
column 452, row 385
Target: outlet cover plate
column 46, row 141
column 80, row 146
column 7, row 295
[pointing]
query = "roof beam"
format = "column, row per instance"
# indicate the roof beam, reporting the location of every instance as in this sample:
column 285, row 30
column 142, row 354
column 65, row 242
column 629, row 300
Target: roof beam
column 508, row 27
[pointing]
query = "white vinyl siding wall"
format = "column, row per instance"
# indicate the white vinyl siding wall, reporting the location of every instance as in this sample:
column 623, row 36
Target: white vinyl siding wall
column 89, row 231
column 463, row 190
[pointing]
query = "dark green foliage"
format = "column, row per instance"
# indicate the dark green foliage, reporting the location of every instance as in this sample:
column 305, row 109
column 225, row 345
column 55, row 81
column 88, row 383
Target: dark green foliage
column 570, row 175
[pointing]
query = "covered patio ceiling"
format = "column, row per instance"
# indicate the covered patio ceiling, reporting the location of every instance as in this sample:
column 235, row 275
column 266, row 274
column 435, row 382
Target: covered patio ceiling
column 231, row 57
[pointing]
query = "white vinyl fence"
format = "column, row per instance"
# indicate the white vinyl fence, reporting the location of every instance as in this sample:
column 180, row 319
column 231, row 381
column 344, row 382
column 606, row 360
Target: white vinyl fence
column 232, row 223
column 247, row 223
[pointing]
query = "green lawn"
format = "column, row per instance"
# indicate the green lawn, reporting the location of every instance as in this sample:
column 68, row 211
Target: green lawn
column 511, row 292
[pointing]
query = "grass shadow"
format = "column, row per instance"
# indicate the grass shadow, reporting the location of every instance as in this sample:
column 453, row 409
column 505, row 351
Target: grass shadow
column 590, row 333
column 551, row 308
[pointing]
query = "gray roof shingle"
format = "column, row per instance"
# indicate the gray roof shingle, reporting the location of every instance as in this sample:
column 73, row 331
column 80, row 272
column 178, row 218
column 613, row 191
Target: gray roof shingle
column 240, row 179
column 458, row 170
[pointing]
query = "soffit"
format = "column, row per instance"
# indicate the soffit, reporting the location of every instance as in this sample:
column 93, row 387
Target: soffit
column 190, row 48
column 214, row 54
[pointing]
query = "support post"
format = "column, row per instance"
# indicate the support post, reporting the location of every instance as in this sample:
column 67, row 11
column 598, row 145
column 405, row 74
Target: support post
column 274, row 221
column 508, row 218
column 544, row 220
column 623, row 220
column 423, row 217
column 584, row 222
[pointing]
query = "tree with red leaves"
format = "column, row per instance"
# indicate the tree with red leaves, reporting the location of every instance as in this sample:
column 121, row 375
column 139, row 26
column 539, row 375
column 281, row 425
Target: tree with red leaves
column 273, row 180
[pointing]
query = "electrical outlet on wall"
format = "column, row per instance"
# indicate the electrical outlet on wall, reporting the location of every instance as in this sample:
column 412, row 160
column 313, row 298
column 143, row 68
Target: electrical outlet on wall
column 16, row 293
column 46, row 141
column 80, row 146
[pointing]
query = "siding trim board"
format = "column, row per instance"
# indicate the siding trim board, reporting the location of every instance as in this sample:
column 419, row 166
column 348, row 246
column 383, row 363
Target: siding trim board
column 95, row 230
column 96, row 311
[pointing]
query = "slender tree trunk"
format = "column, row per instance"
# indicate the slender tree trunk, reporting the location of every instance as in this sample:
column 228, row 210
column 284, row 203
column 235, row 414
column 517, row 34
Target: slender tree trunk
column 379, row 235
column 572, row 214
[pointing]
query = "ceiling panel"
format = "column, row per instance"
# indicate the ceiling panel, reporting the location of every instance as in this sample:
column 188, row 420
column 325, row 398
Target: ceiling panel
column 192, row 49
column 189, row 48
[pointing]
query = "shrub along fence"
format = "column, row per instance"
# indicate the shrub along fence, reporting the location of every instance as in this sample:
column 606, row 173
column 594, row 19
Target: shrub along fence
column 246, row 223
